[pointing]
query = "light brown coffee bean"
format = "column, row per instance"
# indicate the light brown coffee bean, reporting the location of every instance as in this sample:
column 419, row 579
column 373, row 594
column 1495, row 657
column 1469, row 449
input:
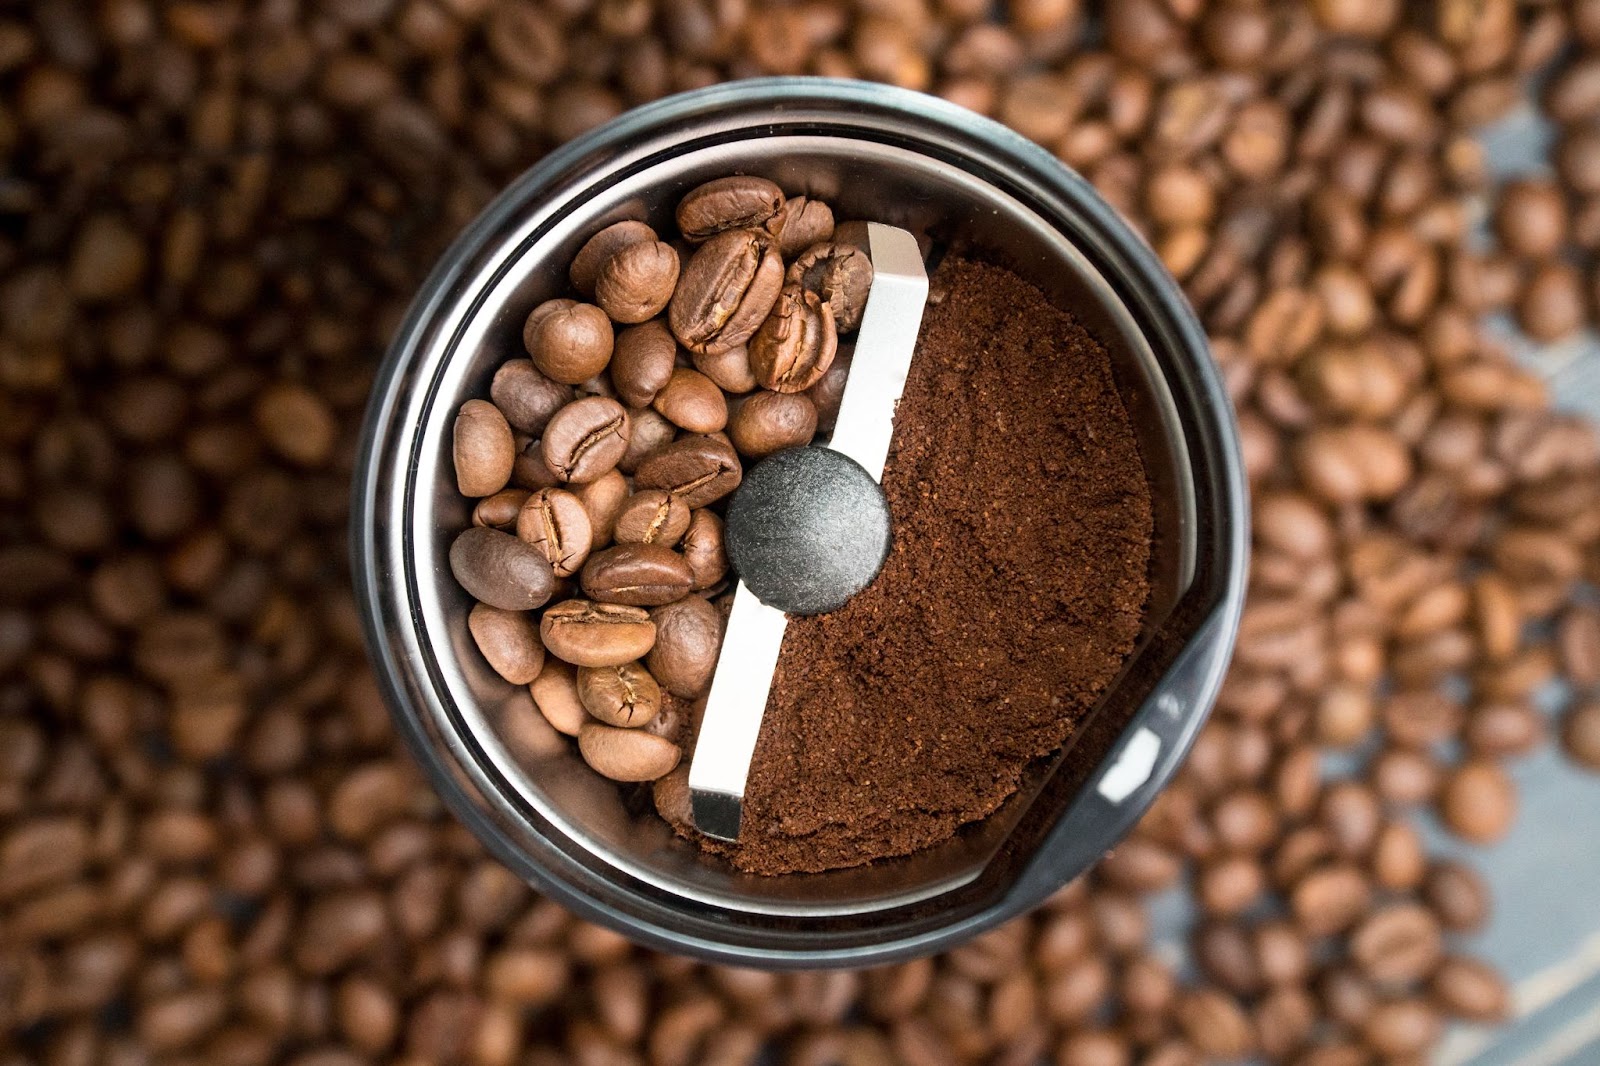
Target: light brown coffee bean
column 568, row 342
column 726, row 204
column 1552, row 304
column 555, row 693
column 500, row 510
column 648, row 432
column 769, row 422
column 1578, row 638
column 639, row 575
column 529, row 471
column 1478, row 801
column 585, row 439
column 652, row 516
column 1471, row 990
column 796, row 344
column 1330, row 899
column 1397, row 945
column 801, row 223
column 526, row 397
column 729, row 368
column 840, row 275
column 703, row 549
column 700, row 469
column 602, row 498
column 625, row 695
column 1402, row 1027
column 1530, row 218
column 483, row 449
column 626, row 754
column 509, row 640
column 598, row 250
column 726, row 290
column 1457, row 895
column 556, row 524
column 597, row 634
column 501, row 570
column 692, row 401
column 688, row 642
column 1580, row 730
column 636, row 283
column 1398, row 860
column 1214, row 1023
column 643, row 362
column 1503, row 729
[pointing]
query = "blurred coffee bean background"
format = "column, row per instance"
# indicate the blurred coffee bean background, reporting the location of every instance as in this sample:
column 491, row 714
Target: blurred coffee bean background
column 212, row 850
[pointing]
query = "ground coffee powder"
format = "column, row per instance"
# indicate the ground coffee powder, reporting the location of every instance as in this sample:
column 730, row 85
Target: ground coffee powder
column 1013, row 593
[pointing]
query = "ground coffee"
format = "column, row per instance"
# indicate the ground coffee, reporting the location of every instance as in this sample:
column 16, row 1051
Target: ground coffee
column 1013, row 593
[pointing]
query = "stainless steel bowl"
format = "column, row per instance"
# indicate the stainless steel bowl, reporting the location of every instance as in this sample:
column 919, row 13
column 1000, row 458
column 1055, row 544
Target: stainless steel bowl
column 872, row 152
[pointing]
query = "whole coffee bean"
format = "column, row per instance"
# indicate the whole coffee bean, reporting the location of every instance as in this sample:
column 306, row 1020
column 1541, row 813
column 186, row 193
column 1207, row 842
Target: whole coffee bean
column 637, row 281
column 700, row 469
column 585, row 439
column 643, row 362
column 769, row 422
column 1580, row 729
column 728, row 203
column 483, row 449
column 1404, row 775
column 1471, row 990
column 729, row 368
column 727, row 288
column 1398, row 860
column 1283, row 1021
column 556, row 524
column 828, row 392
column 693, row 401
column 602, row 498
column 639, row 575
column 1552, row 303
column 795, row 345
column 625, row 695
column 1530, row 218
column 509, row 640
column 500, row 510
column 529, row 470
column 1504, row 729
column 688, row 641
column 1227, row 956
column 1578, row 639
column 1214, row 1023
column 1478, row 801
column 598, row 250
column 568, row 342
column 1457, row 895
column 1329, row 899
column 648, row 432
column 626, row 754
column 801, row 223
column 841, row 275
column 501, row 570
column 1402, row 1027
column 526, row 397
column 703, row 549
column 555, row 693
column 596, row 634
column 652, row 516
column 1397, row 945
column 1347, row 996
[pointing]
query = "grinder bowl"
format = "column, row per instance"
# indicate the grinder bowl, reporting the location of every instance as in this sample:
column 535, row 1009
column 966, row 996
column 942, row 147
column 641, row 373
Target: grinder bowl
column 872, row 152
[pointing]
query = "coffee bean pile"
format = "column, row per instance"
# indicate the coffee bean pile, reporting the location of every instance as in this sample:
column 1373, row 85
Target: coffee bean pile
column 213, row 213
column 728, row 361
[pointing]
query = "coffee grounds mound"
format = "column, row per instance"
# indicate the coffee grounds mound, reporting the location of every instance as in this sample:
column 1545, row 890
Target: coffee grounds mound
column 1013, row 593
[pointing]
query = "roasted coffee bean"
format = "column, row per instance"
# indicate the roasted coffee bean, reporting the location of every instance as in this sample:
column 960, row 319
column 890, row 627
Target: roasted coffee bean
column 501, row 570
column 1470, row 990
column 1457, row 895
column 596, row 634
column 555, row 693
column 643, row 362
column 585, row 439
column 692, row 401
column 598, row 250
column 639, row 575
column 625, row 696
column 637, row 281
column 602, row 498
column 1531, row 218
column 500, row 510
column 556, row 524
column 626, row 754
column 800, row 223
column 652, row 516
column 703, row 549
column 1578, row 638
column 1478, row 801
column 1330, row 899
column 688, row 641
column 526, row 397
column 648, row 432
column 568, row 342
column 483, row 449
column 529, row 471
column 828, row 392
column 728, row 203
column 769, row 422
column 1580, row 730
column 726, row 290
column 509, row 640
column 796, row 344
column 841, row 275
column 729, row 368
column 1397, row 945
column 699, row 469
column 1402, row 1027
